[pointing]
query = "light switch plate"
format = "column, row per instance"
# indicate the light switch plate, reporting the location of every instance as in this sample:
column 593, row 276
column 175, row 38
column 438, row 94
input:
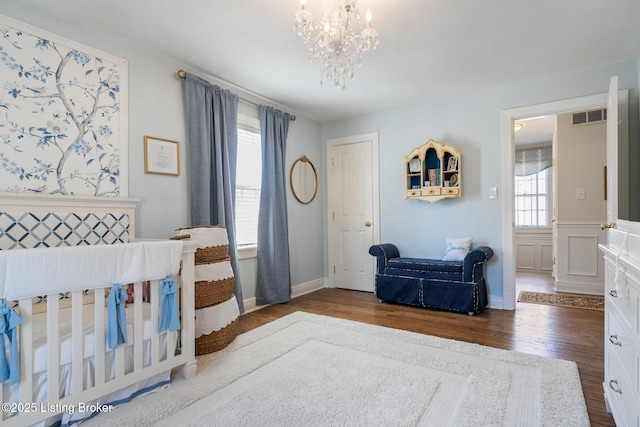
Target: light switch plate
column 493, row 193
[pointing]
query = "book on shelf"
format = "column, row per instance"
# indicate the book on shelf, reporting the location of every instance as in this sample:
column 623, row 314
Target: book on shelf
column 432, row 177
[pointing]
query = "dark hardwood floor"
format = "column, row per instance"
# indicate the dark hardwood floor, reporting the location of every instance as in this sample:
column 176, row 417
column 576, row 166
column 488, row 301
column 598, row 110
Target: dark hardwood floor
column 556, row 332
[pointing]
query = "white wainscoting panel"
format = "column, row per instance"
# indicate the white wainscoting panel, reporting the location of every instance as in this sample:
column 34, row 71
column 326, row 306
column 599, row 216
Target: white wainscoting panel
column 534, row 250
column 526, row 256
column 580, row 266
column 582, row 255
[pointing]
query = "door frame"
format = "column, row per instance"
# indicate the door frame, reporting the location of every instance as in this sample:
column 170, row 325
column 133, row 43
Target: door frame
column 508, row 172
column 373, row 139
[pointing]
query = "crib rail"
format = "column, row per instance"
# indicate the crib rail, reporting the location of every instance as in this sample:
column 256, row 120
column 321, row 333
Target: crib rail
column 147, row 353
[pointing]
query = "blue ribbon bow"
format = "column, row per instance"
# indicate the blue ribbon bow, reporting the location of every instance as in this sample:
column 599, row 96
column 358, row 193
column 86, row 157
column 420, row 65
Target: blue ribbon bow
column 169, row 317
column 117, row 318
column 9, row 320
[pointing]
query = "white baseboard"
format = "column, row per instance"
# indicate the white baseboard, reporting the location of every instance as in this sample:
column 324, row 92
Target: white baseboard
column 496, row 302
column 305, row 288
column 580, row 288
column 296, row 291
column 314, row 285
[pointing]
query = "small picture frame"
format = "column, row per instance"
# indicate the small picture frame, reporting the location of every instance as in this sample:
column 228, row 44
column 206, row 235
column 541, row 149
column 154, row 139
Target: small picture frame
column 414, row 165
column 453, row 180
column 161, row 156
column 453, row 164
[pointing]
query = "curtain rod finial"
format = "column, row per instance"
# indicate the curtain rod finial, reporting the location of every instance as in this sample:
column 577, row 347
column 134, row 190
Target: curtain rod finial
column 293, row 118
column 182, row 74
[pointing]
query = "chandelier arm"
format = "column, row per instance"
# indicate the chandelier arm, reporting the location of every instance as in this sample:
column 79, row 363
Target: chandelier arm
column 347, row 23
column 355, row 44
column 306, row 36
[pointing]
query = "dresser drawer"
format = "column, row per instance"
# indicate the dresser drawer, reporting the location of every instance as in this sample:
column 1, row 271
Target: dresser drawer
column 431, row 191
column 413, row 193
column 620, row 395
column 618, row 339
column 450, row 190
column 625, row 302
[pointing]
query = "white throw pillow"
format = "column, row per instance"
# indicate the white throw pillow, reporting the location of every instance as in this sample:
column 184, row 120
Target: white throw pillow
column 457, row 249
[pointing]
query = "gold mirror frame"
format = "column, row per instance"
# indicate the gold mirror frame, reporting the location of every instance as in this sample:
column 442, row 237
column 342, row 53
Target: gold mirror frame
column 303, row 180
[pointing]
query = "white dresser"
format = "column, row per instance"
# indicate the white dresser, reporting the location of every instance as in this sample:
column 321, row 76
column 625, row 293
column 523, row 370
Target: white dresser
column 622, row 327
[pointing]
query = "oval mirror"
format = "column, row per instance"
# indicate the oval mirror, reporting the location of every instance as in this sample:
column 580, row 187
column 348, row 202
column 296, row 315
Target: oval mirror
column 304, row 180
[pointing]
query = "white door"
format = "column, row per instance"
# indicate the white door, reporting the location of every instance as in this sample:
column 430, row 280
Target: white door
column 612, row 153
column 554, row 207
column 353, row 210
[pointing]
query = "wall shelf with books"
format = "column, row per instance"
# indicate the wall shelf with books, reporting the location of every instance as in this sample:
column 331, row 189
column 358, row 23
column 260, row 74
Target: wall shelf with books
column 433, row 172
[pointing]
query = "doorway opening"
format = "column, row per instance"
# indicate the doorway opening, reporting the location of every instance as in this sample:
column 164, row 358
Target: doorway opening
column 535, row 186
column 509, row 117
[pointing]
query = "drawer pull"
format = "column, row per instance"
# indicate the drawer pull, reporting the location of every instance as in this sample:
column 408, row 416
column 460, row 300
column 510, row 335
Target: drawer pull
column 616, row 388
column 615, row 341
column 613, row 293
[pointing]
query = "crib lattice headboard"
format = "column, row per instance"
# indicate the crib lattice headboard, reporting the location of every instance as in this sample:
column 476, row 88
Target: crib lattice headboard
column 37, row 220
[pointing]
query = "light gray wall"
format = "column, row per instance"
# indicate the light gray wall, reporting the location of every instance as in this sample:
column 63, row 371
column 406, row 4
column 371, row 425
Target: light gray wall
column 157, row 108
column 472, row 123
column 306, row 222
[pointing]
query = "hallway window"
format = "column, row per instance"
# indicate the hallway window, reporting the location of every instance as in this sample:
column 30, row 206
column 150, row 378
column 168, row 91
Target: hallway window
column 532, row 200
column 248, row 182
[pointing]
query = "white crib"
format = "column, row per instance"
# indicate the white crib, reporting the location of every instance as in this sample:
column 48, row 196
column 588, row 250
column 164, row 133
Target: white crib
column 66, row 366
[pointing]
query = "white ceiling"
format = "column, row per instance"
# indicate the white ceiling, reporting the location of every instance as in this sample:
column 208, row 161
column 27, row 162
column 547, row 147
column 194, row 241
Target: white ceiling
column 536, row 131
column 429, row 48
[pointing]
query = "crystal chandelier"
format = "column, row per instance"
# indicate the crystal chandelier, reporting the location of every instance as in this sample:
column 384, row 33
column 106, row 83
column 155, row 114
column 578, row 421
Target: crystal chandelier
column 338, row 41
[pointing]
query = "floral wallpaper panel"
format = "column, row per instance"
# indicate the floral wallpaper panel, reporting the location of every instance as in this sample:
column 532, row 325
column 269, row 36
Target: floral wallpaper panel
column 62, row 115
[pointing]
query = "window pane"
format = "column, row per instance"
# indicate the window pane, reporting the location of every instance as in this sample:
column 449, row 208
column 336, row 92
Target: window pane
column 542, row 211
column 542, row 182
column 525, row 185
column 248, row 184
column 531, row 200
column 249, row 162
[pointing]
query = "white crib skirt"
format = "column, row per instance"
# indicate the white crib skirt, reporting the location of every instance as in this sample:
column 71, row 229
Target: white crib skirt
column 155, row 383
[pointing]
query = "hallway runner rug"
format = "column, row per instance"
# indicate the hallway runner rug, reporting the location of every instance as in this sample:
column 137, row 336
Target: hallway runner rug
column 310, row 370
column 591, row 302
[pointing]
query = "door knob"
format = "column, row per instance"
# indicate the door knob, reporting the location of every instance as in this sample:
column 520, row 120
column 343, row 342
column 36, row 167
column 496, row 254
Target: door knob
column 368, row 223
column 610, row 225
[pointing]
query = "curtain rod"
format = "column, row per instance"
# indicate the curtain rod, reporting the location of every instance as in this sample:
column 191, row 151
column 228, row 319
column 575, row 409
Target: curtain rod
column 183, row 75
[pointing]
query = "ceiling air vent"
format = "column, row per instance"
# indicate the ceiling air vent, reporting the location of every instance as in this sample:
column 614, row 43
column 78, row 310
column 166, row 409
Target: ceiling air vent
column 587, row 117
column 580, row 118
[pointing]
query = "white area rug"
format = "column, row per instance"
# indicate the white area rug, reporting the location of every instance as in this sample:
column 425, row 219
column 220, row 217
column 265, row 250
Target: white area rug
column 311, row 370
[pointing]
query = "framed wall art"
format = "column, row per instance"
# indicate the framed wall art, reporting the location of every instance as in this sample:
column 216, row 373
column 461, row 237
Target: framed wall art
column 63, row 127
column 161, row 156
column 453, row 164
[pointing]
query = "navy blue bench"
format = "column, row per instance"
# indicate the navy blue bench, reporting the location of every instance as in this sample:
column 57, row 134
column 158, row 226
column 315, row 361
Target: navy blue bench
column 444, row 285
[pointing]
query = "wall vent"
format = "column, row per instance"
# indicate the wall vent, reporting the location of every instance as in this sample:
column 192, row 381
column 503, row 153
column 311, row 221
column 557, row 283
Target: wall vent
column 588, row 117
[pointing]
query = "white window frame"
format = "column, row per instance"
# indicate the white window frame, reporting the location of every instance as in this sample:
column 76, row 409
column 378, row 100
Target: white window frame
column 548, row 201
column 249, row 251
